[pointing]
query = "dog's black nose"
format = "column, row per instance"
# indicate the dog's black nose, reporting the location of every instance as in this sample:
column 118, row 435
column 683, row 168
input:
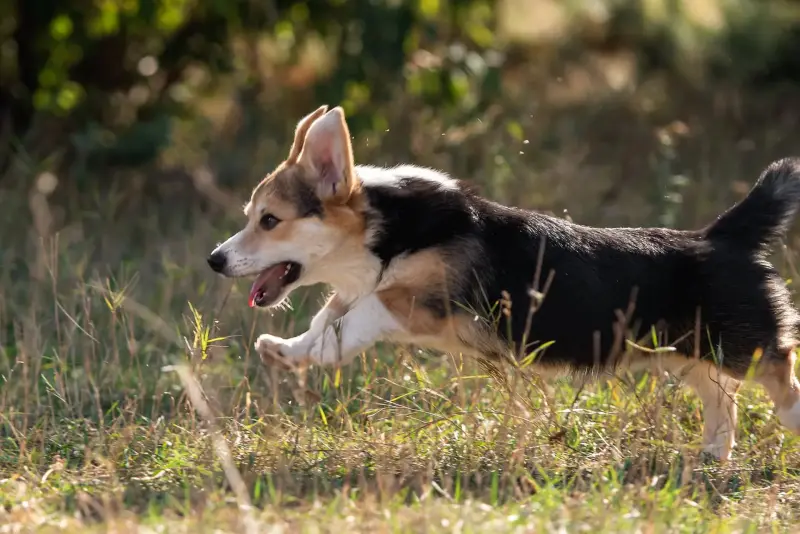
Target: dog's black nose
column 217, row 261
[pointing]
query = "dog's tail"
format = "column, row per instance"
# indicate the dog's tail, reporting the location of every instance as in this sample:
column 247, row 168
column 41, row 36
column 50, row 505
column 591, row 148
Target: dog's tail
column 764, row 216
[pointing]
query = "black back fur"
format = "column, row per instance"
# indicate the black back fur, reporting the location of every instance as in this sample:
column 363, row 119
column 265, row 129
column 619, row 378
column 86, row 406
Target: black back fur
column 663, row 279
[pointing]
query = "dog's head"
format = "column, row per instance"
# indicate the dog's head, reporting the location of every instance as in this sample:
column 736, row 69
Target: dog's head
column 303, row 218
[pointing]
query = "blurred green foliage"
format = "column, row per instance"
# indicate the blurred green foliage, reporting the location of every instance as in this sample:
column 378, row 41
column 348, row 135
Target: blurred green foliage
column 104, row 80
column 109, row 68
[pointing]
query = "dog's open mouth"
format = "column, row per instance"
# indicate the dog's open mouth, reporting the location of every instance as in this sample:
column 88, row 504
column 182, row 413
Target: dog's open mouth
column 269, row 285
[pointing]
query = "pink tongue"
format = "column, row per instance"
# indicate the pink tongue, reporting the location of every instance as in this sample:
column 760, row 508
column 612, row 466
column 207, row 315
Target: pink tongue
column 269, row 281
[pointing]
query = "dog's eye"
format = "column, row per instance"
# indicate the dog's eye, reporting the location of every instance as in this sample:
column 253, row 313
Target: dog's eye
column 269, row 221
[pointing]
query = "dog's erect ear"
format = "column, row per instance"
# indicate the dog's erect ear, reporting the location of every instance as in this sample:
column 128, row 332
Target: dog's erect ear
column 329, row 155
column 301, row 131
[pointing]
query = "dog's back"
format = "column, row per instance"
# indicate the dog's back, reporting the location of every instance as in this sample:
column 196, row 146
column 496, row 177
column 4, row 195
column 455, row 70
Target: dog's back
column 597, row 287
column 645, row 282
column 704, row 304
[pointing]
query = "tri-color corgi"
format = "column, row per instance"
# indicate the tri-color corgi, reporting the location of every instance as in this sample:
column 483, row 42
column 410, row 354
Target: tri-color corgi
column 414, row 256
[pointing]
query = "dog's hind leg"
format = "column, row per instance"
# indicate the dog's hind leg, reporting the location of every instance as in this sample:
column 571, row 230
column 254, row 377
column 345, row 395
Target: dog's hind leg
column 717, row 390
column 778, row 377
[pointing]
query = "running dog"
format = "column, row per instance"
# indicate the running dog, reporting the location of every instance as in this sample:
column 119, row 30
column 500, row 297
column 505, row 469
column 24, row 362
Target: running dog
column 414, row 256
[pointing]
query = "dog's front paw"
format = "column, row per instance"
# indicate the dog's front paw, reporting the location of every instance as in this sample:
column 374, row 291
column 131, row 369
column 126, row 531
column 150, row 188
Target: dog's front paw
column 272, row 350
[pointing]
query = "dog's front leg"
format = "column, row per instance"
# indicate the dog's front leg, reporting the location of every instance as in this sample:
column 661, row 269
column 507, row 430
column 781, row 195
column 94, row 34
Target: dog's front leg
column 329, row 341
column 273, row 348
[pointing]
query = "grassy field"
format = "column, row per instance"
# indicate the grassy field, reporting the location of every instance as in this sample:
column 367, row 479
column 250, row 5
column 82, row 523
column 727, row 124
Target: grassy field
column 130, row 400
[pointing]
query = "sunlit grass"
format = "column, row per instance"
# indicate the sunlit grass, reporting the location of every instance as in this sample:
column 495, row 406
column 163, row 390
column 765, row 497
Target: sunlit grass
column 97, row 430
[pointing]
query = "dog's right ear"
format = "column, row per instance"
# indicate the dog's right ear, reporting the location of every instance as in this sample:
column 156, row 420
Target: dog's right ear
column 300, row 133
column 328, row 155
